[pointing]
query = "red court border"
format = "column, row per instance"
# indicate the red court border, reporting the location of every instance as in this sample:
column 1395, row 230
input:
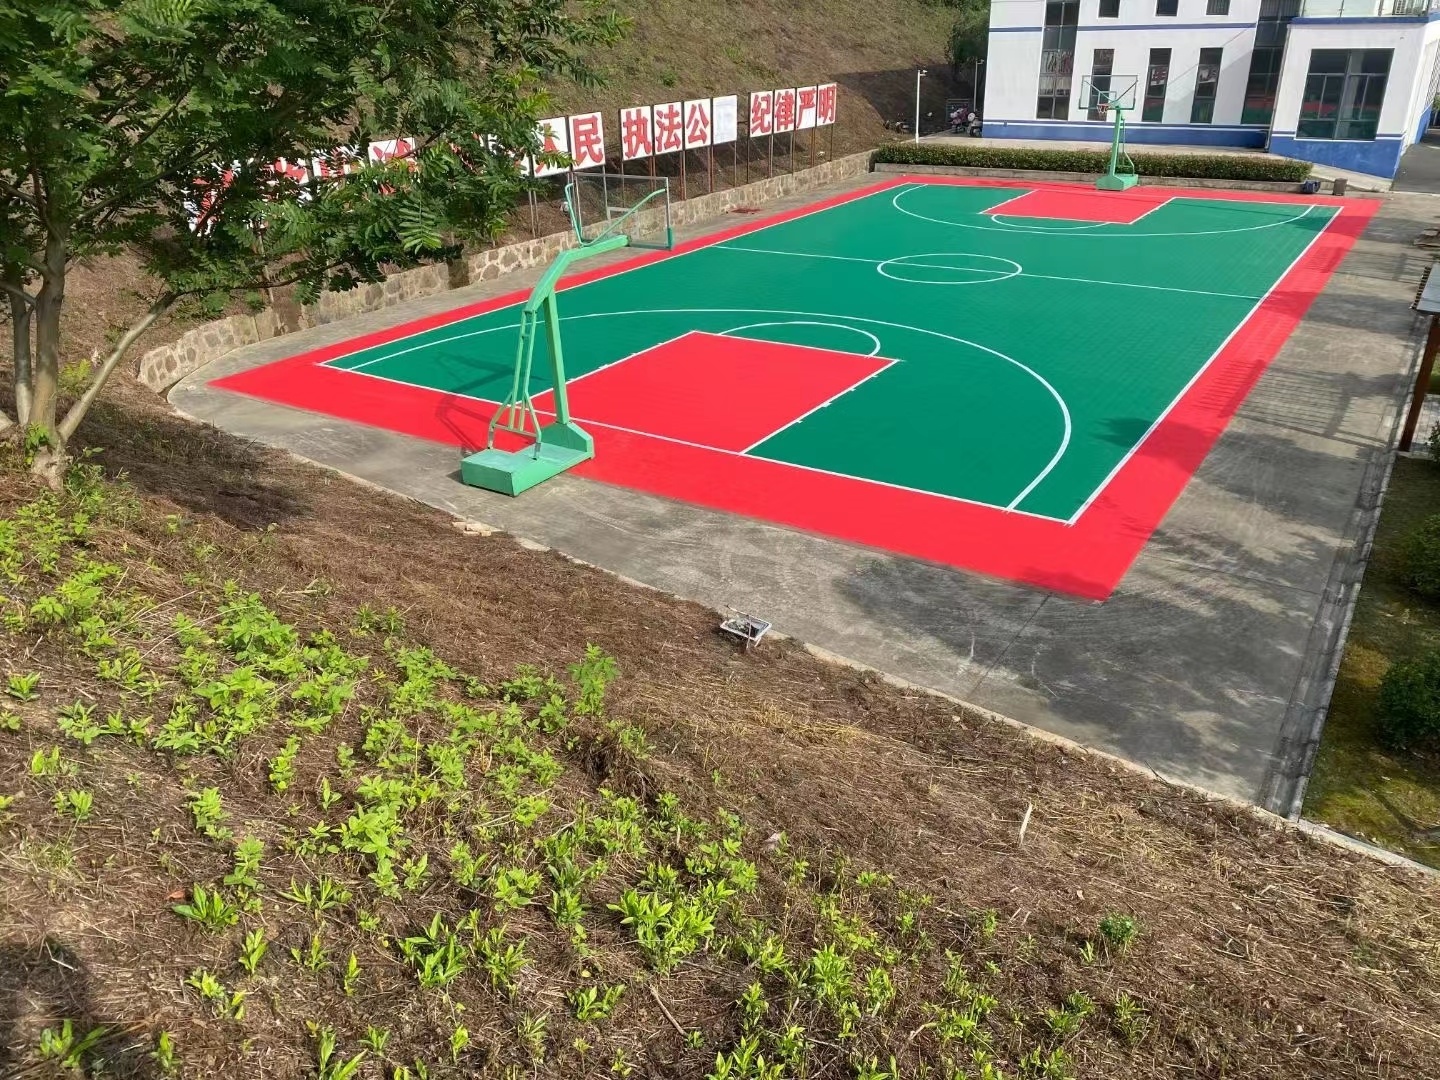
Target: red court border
column 1086, row 559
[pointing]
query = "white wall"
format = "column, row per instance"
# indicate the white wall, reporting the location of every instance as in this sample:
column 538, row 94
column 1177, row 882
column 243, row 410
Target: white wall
column 1408, row 39
column 1013, row 64
column 1132, row 59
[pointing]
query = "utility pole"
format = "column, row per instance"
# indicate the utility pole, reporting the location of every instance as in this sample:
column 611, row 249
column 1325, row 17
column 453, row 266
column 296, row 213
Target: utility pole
column 919, row 74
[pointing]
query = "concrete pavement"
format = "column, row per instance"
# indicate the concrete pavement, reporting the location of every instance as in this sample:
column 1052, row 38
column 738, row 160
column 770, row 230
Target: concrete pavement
column 1210, row 662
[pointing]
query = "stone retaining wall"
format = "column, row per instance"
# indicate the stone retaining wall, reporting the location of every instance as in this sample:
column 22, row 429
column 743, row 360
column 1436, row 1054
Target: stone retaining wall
column 162, row 367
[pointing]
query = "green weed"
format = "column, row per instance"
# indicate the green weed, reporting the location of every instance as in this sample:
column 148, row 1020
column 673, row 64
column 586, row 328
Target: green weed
column 252, row 950
column 248, row 853
column 592, row 1004
column 77, row 804
column 49, row 764
column 351, row 976
column 210, row 909
column 164, row 1054
column 1130, row 1019
column 78, row 722
column 1119, row 931
column 67, row 1047
column 312, row 957
column 328, row 1065
column 502, row 960
column 376, row 1039
column 227, row 1005
column 208, row 813
column 530, row 1029
column 23, row 687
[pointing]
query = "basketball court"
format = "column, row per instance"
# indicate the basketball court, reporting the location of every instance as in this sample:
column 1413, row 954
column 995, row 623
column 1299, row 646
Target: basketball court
column 1011, row 378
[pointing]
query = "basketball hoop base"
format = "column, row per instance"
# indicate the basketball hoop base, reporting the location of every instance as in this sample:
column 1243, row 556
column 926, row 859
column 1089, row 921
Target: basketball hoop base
column 511, row 472
column 1117, row 181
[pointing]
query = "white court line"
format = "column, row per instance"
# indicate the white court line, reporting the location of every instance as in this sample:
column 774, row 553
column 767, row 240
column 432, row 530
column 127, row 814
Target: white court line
column 1002, row 202
column 1121, row 231
column 1077, row 226
column 875, row 341
column 973, row 270
column 1193, row 379
column 1158, row 206
column 1135, row 285
column 809, row 412
column 852, row 258
column 733, row 453
column 571, row 380
column 704, row 247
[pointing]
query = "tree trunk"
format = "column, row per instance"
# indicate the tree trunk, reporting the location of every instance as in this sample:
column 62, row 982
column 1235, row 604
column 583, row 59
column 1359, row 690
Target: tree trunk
column 45, row 370
column 20, row 335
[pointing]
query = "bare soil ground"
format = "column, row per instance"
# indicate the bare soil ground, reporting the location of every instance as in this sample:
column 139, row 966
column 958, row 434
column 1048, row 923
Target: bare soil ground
column 873, row 886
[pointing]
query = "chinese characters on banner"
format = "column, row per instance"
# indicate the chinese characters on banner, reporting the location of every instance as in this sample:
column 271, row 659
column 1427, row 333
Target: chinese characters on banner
column 390, row 149
column 645, row 131
column 554, row 137
column 697, row 124
column 784, row 111
column 587, row 141
column 805, row 99
column 825, row 104
column 637, row 133
column 669, row 127
column 762, row 113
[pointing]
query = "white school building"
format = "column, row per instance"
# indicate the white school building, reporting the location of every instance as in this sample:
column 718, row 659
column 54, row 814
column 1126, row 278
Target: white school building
column 1347, row 83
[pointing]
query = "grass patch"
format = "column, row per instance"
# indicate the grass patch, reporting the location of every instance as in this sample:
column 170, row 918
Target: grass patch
column 1193, row 166
column 1388, row 798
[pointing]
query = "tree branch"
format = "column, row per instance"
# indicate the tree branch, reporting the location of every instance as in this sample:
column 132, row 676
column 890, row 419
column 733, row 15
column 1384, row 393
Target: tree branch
column 17, row 294
column 77, row 411
column 18, row 193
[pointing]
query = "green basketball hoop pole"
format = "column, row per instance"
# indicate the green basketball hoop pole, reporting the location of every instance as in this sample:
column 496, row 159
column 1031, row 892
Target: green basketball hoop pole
column 1120, row 174
column 559, row 445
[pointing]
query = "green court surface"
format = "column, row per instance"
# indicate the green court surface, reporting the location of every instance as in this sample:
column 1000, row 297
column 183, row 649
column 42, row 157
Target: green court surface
column 1032, row 354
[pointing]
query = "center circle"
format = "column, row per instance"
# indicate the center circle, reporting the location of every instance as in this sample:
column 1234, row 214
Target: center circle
column 950, row 268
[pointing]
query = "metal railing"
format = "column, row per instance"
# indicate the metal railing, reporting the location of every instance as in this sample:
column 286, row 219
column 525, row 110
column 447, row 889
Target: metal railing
column 1366, row 9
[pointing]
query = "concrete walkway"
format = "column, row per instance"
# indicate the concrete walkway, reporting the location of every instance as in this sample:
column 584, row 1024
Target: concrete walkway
column 1420, row 167
column 1210, row 662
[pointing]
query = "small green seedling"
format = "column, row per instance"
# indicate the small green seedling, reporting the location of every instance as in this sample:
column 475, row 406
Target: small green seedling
column 23, row 687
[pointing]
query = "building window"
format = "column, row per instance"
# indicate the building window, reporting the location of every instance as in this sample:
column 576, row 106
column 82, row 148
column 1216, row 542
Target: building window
column 1207, row 81
column 1270, row 30
column 1109, row 9
column 1217, row 7
column 1156, row 76
column 1100, row 70
column 1167, row 7
column 1057, row 59
column 1343, row 93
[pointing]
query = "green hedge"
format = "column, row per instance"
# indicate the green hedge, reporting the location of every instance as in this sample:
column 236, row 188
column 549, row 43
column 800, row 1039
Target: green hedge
column 1193, row 166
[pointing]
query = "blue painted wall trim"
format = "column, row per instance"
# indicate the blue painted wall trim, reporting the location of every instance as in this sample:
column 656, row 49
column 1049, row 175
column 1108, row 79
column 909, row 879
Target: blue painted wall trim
column 1424, row 124
column 1378, row 158
column 1100, row 131
column 1097, row 27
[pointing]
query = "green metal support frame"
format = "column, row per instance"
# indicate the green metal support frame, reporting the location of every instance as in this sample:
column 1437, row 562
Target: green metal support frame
column 1120, row 174
column 559, row 445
